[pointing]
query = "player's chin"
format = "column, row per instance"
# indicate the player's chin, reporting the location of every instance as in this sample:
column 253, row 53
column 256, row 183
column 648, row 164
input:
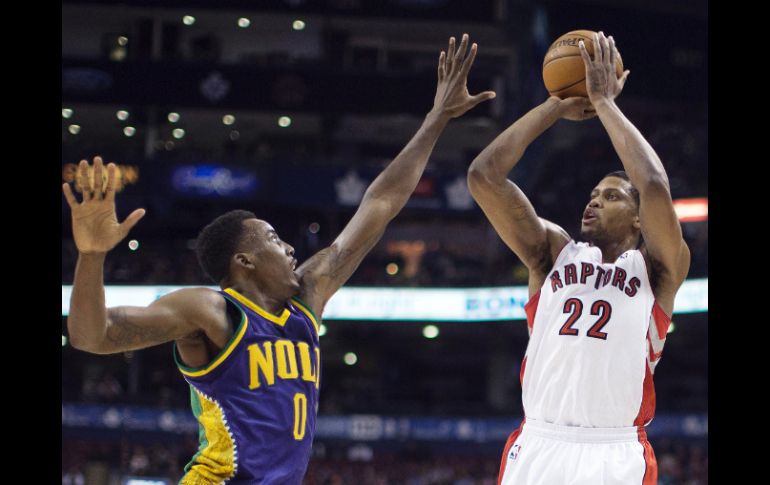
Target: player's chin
column 294, row 283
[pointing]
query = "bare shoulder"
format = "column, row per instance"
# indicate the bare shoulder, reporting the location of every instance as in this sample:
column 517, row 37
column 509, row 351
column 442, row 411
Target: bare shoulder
column 556, row 239
column 203, row 306
column 314, row 275
column 191, row 297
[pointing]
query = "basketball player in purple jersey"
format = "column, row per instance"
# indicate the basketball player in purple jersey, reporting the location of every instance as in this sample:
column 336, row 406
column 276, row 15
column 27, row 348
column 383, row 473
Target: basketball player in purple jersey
column 250, row 352
column 599, row 310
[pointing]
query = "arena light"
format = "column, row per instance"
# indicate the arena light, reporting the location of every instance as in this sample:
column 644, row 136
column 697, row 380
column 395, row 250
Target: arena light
column 66, row 113
column 63, row 340
column 74, row 129
column 178, row 133
column 284, row 121
column 228, row 119
column 129, row 131
column 322, row 330
column 133, row 245
column 430, row 331
column 122, row 40
column 235, row 134
column 188, row 20
column 122, row 115
column 692, row 210
column 298, row 25
column 350, row 358
column 243, row 22
column 391, row 269
column 173, row 117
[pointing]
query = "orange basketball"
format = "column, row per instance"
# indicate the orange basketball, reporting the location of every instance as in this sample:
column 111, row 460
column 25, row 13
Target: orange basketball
column 564, row 72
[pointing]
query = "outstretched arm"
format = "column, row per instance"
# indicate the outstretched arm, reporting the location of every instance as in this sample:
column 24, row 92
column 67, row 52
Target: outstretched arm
column 330, row 268
column 665, row 247
column 93, row 327
column 535, row 241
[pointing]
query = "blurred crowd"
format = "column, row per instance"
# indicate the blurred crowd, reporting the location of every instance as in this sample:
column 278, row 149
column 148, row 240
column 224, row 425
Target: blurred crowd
column 679, row 463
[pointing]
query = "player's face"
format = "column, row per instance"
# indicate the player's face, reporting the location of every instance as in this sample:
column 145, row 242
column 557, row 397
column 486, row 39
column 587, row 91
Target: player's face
column 611, row 212
column 274, row 258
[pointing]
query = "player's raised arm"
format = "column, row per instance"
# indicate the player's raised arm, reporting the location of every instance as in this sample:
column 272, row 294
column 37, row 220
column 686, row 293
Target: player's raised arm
column 93, row 327
column 535, row 241
column 327, row 271
column 665, row 247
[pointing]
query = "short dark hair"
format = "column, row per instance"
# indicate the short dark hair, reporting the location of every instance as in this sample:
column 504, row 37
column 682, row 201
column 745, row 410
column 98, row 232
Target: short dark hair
column 218, row 241
column 623, row 175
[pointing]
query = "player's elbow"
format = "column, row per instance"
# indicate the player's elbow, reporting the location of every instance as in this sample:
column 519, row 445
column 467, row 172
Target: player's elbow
column 475, row 176
column 383, row 204
column 479, row 179
column 86, row 344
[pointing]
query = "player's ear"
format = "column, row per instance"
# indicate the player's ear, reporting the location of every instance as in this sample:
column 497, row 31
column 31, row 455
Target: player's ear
column 243, row 260
column 637, row 223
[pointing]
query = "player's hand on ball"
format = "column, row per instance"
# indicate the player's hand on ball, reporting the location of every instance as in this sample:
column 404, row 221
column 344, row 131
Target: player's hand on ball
column 601, row 81
column 95, row 225
column 575, row 108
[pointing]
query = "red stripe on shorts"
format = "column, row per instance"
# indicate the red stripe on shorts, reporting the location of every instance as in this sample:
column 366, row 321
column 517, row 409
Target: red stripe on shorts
column 651, row 464
column 508, row 444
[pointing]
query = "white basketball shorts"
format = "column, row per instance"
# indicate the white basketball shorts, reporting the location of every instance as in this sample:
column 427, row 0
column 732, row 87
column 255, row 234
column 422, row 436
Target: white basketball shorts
column 540, row 453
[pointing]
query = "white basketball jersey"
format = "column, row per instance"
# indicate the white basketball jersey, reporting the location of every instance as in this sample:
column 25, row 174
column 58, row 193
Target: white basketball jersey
column 596, row 334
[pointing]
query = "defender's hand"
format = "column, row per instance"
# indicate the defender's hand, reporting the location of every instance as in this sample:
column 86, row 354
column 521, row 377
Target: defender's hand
column 95, row 225
column 452, row 96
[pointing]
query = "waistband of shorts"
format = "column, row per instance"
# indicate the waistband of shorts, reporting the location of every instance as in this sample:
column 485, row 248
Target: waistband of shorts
column 578, row 434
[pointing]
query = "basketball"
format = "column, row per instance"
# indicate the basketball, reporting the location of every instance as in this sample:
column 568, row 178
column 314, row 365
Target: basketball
column 564, row 72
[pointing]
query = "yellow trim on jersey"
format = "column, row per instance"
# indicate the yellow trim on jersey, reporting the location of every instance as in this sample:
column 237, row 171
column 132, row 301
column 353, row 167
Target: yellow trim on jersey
column 215, row 461
column 307, row 312
column 262, row 313
column 189, row 371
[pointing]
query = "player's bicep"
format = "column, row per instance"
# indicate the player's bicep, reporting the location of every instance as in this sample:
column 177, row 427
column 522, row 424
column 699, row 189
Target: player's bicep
column 662, row 231
column 170, row 317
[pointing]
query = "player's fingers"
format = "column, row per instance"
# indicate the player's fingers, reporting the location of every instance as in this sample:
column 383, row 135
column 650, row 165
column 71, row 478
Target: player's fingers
column 131, row 220
column 98, row 168
column 450, row 55
column 469, row 60
column 441, row 67
column 83, row 180
column 460, row 52
column 598, row 54
column 109, row 191
column 481, row 97
column 623, row 78
column 584, row 53
column 71, row 200
column 612, row 51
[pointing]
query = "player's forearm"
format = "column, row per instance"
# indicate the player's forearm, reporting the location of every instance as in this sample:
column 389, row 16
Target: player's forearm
column 639, row 159
column 495, row 162
column 397, row 182
column 87, row 320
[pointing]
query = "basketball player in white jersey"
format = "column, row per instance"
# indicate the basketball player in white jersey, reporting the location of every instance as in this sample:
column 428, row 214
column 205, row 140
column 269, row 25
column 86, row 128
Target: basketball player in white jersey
column 599, row 310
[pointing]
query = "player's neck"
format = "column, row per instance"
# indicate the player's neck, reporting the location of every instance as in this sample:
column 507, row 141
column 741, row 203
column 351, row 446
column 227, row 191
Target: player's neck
column 611, row 250
column 272, row 303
